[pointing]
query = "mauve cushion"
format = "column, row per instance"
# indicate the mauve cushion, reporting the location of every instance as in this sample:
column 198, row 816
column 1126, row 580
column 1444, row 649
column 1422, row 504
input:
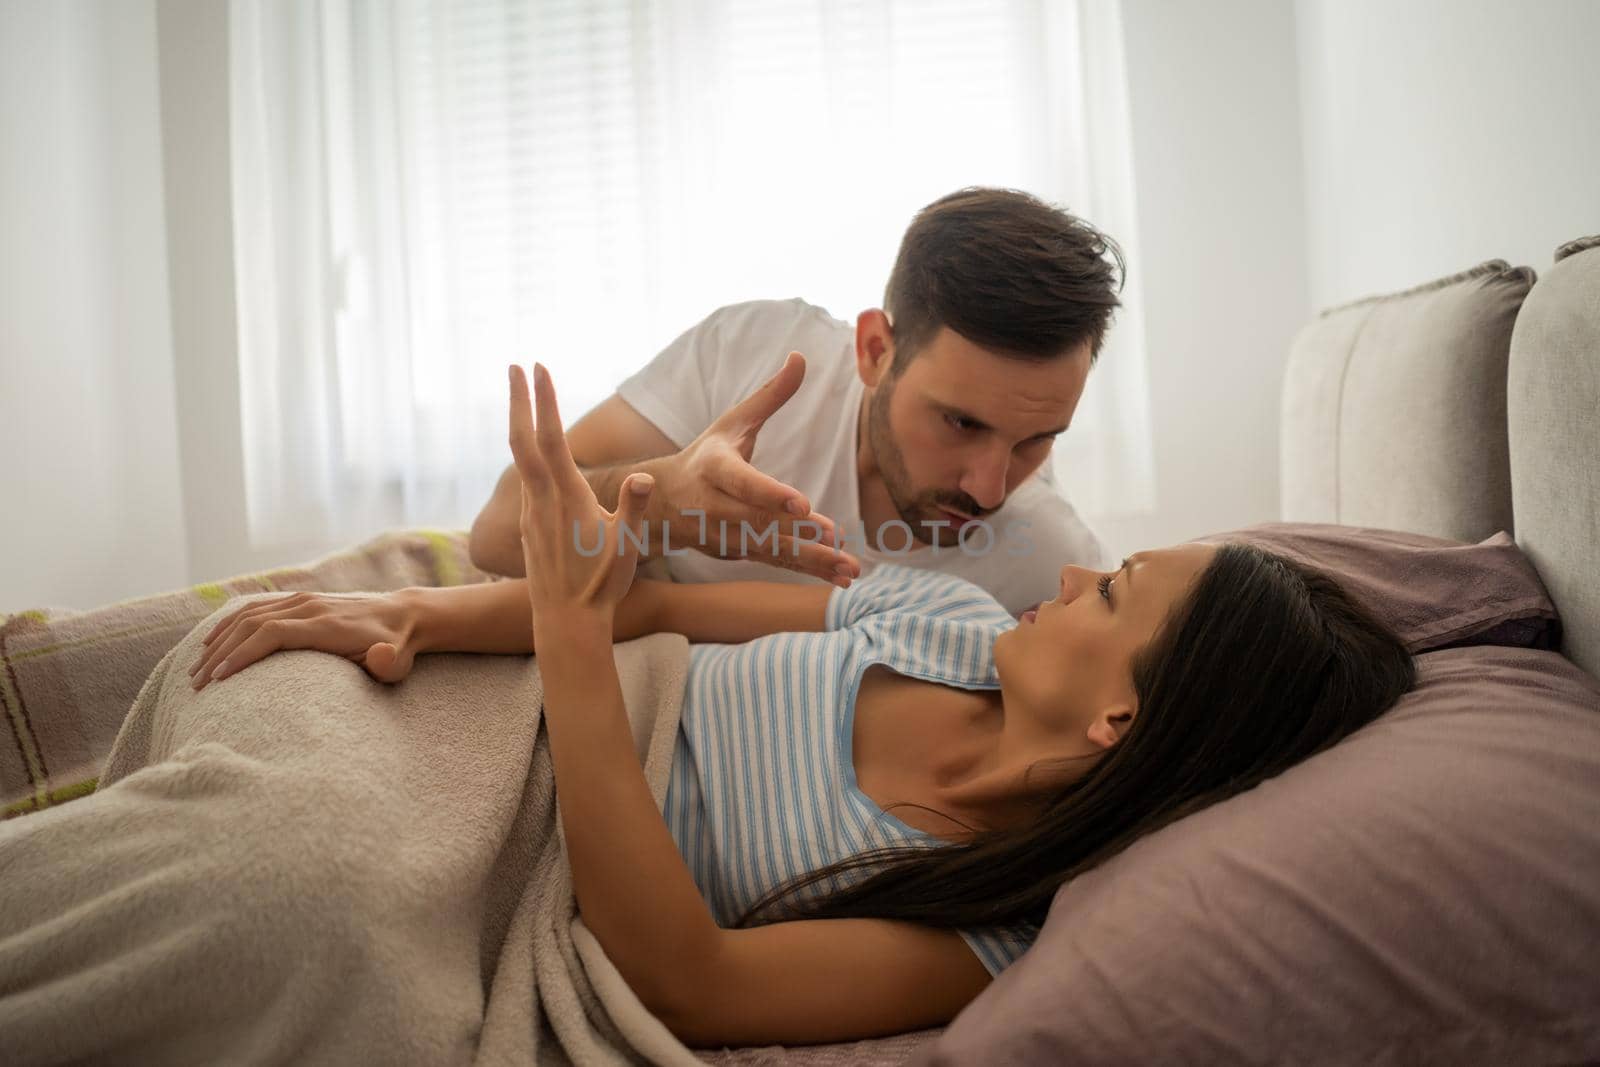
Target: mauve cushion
column 1426, row 891
column 1434, row 593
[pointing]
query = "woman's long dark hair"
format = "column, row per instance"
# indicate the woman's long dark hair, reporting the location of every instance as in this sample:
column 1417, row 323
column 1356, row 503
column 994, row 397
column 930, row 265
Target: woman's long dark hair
column 1265, row 663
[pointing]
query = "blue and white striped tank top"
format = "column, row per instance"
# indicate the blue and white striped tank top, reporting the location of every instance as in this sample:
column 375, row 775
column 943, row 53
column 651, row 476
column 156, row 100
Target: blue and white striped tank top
column 763, row 786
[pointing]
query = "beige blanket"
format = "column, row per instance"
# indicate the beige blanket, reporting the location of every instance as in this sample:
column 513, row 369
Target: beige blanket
column 301, row 865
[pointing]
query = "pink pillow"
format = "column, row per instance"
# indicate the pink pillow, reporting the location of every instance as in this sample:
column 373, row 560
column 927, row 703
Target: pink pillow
column 1426, row 891
column 1434, row 593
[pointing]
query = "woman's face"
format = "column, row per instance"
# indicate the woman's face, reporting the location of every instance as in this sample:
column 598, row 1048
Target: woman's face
column 1066, row 670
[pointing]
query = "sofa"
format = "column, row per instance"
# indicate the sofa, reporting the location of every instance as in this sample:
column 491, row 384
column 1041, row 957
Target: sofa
column 1427, row 891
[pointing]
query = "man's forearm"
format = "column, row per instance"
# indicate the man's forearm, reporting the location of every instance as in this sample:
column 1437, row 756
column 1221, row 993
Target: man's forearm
column 495, row 544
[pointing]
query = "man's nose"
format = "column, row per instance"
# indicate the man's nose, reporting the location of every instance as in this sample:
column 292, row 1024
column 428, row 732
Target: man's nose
column 985, row 480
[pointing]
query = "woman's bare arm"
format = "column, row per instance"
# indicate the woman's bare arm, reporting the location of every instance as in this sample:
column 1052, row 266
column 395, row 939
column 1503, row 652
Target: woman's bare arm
column 494, row 617
column 817, row 980
column 731, row 612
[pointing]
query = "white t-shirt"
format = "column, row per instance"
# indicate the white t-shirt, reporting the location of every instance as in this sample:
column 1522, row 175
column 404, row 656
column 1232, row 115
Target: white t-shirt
column 810, row 443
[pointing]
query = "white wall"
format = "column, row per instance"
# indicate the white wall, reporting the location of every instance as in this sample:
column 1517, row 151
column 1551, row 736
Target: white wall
column 1441, row 133
column 1214, row 102
column 1291, row 157
column 89, row 488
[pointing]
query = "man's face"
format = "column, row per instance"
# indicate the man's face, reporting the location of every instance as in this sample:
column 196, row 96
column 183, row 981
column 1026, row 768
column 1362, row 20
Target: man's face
column 959, row 428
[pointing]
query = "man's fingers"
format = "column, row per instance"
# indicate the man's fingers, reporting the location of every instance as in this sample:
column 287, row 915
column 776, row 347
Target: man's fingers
column 817, row 529
column 817, row 524
column 761, row 491
column 755, row 502
column 800, row 554
column 760, row 405
column 808, row 557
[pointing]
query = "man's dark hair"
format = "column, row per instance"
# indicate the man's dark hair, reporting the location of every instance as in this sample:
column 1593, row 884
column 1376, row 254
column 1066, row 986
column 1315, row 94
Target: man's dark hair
column 1006, row 271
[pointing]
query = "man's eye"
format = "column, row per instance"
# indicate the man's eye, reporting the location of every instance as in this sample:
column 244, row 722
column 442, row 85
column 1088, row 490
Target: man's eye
column 961, row 423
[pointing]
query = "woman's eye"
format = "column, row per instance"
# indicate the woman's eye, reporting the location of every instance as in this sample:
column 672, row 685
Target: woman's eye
column 1105, row 587
column 960, row 423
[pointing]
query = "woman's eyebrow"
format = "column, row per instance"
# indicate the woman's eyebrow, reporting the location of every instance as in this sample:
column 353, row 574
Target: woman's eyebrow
column 1127, row 576
column 1123, row 572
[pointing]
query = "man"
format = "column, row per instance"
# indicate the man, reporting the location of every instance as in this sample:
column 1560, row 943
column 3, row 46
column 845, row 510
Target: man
column 913, row 438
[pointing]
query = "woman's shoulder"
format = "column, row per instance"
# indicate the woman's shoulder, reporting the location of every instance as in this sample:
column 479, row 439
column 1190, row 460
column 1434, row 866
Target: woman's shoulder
column 892, row 589
column 924, row 581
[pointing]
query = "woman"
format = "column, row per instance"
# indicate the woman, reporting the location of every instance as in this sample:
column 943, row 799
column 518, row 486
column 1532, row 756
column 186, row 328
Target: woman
column 1021, row 753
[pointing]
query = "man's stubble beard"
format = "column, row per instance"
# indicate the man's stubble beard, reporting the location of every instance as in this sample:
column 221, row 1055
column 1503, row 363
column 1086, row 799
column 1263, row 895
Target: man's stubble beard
column 897, row 479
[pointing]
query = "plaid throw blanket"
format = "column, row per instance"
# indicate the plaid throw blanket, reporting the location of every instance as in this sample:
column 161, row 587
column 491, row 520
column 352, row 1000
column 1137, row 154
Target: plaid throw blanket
column 67, row 679
column 302, row 865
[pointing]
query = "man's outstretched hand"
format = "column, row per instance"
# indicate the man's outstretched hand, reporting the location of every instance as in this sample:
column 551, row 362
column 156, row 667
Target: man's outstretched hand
column 711, row 487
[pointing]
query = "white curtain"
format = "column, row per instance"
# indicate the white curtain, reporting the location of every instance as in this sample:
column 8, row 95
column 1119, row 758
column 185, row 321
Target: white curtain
column 425, row 191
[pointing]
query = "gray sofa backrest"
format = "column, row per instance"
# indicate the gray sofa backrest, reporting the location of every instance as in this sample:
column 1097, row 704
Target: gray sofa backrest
column 1394, row 409
column 1553, row 401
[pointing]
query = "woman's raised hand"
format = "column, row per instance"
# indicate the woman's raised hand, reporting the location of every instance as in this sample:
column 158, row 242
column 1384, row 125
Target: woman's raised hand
column 376, row 632
column 574, row 551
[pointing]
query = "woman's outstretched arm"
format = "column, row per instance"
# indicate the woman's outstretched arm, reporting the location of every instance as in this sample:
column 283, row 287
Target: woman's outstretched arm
column 386, row 633
column 731, row 612
column 494, row 616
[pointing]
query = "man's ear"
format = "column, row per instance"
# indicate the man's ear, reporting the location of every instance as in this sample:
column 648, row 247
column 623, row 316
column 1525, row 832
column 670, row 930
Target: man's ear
column 1109, row 726
column 874, row 346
